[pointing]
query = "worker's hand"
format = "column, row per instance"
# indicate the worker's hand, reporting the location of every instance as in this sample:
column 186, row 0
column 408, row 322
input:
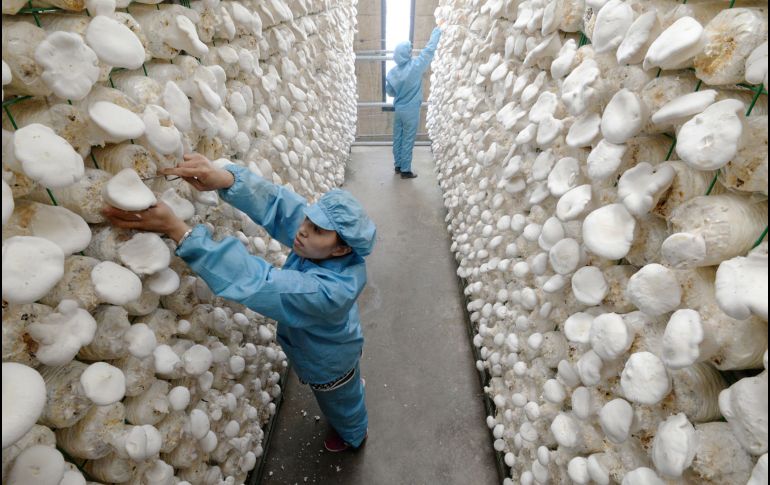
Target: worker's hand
column 158, row 218
column 199, row 172
column 440, row 23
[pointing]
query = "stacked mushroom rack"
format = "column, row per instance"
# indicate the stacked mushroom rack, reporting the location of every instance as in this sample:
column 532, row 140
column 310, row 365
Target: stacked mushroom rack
column 604, row 167
column 119, row 365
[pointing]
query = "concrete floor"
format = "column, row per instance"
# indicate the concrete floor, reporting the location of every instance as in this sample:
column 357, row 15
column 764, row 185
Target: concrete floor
column 426, row 414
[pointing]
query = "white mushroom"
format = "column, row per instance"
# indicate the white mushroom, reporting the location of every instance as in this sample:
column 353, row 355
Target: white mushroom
column 164, row 282
column 756, row 66
column 31, row 268
column 24, row 397
column 55, row 223
column 572, row 204
column 609, row 231
column 183, row 208
column 60, row 335
column 141, row 340
column 160, row 132
column 644, row 379
column 712, row 138
column 744, row 405
column 39, row 464
column 674, row 446
column 115, row 284
column 615, row 418
column 103, row 384
column 577, row 90
column 115, row 122
column 114, row 43
column 684, row 106
column 589, row 285
column 564, row 256
column 682, row 339
column 612, row 22
column 654, row 289
column 638, row 38
column 675, row 47
column 609, row 337
column 46, row 157
column 640, row 186
column 604, row 160
column 624, row 117
column 741, row 285
column 70, row 67
column 577, row 328
column 177, row 105
column 126, row 191
column 642, row 476
column 145, row 253
column 8, row 203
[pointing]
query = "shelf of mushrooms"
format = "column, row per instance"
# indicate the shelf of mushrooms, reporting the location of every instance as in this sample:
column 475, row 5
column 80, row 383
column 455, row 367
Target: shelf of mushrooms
column 119, row 364
column 604, row 169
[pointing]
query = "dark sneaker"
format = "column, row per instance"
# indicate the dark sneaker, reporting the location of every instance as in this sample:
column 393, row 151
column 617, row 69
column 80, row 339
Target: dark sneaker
column 398, row 170
column 335, row 444
column 408, row 175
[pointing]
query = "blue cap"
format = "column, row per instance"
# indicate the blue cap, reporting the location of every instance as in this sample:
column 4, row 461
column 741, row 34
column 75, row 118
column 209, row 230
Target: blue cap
column 337, row 210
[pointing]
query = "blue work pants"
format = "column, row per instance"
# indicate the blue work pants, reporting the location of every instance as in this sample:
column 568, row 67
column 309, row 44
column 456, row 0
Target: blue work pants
column 345, row 409
column 405, row 125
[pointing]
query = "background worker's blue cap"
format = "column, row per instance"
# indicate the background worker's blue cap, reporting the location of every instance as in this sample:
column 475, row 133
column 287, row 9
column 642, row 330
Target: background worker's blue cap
column 337, row 210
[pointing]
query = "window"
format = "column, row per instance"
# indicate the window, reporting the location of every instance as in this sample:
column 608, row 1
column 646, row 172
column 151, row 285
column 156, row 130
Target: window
column 398, row 28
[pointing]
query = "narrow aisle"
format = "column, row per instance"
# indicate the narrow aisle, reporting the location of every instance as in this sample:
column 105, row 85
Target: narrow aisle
column 426, row 414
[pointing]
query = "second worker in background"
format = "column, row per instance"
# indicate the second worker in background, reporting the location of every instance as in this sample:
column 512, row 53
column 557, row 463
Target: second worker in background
column 404, row 83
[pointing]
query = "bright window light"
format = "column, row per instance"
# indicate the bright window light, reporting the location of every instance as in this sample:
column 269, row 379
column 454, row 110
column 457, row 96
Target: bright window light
column 398, row 24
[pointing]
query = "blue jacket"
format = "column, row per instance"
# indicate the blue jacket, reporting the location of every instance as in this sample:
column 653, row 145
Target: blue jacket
column 404, row 82
column 314, row 303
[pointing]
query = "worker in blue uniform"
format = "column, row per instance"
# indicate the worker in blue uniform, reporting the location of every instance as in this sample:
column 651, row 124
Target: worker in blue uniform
column 404, row 83
column 313, row 297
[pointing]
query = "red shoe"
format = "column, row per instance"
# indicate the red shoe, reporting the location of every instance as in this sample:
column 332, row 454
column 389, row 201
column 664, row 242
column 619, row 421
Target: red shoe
column 335, row 444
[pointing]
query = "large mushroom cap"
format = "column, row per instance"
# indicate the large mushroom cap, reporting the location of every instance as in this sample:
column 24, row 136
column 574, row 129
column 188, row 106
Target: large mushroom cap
column 127, row 191
column 115, row 284
column 681, row 339
column 644, row 379
column 24, row 398
column 684, row 106
column 46, row 157
column 654, row 289
column 103, row 384
column 712, row 138
column 118, row 122
column 624, row 117
column 609, row 231
column 676, row 46
column 31, row 267
column 38, row 465
column 741, row 285
column 145, row 253
column 60, row 335
column 114, row 43
column 61, row 226
column 70, row 67
column 674, row 446
column 615, row 418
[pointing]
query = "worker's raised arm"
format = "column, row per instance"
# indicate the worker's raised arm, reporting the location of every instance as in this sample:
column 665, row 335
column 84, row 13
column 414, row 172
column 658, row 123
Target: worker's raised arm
column 291, row 297
column 279, row 210
column 426, row 55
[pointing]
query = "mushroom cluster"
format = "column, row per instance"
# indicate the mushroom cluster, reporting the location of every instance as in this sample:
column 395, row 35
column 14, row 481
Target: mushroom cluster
column 604, row 168
column 114, row 354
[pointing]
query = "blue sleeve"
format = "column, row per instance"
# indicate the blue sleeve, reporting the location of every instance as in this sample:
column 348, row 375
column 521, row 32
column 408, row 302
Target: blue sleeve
column 389, row 89
column 279, row 210
column 426, row 55
column 294, row 298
